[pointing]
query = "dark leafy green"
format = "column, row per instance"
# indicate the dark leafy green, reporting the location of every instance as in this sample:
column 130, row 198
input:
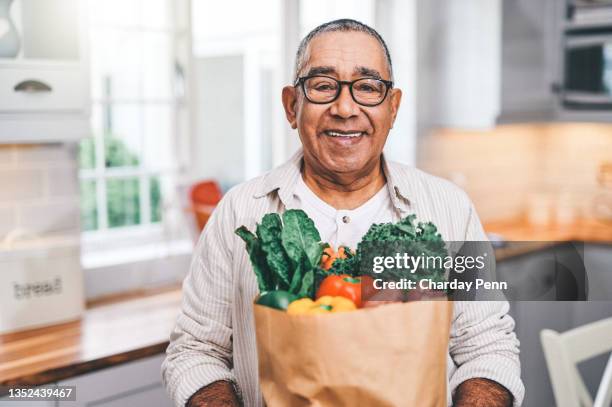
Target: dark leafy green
column 285, row 254
column 269, row 233
column 265, row 279
column 301, row 237
column 387, row 239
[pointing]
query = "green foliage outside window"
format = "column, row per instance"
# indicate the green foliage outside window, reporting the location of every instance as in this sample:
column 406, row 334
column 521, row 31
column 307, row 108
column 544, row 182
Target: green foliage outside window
column 122, row 194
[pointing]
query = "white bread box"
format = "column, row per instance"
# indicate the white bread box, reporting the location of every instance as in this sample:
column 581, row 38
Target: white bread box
column 41, row 283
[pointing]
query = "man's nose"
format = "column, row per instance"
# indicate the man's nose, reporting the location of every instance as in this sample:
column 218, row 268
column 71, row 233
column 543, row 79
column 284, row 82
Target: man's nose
column 344, row 106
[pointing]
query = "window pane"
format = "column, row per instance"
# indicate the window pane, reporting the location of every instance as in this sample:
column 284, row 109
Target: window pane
column 156, row 14
column 156, row 199
column 87, row 153
column 89, row 209
column 116, row 64
column 210, row 19
column 123, row 202
column 158, row 131
column 114, row 12
column 122, row 134
column 157, row 60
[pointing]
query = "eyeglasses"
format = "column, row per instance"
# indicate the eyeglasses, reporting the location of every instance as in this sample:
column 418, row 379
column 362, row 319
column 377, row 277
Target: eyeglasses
column 322, row 89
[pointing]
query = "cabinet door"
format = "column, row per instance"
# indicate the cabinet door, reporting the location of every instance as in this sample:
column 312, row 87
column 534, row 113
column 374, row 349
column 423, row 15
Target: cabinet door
column 532, row 317
column 5, row 403
column 154, row 396
column 30, row 89
column 135, row 384
column 531, row 59
column 458, row 63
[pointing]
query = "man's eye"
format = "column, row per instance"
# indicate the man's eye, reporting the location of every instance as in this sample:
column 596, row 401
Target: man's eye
column 367, row 88
column 324, row 87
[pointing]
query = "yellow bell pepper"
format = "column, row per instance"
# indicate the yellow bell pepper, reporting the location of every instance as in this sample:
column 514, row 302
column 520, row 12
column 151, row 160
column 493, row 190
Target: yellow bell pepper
column 324, row 305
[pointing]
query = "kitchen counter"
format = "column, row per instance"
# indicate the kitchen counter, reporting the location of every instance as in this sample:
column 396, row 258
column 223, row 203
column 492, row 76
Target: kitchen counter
column 126, row 329
column 520, row 237
column 110, row 333
column 584, row 230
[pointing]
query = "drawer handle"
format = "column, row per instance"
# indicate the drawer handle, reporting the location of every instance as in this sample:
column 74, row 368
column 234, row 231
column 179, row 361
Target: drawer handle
column 32, row 86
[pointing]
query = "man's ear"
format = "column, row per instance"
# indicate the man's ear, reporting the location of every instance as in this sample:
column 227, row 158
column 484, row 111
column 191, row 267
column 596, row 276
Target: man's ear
column 289, row 103
column 396, row 98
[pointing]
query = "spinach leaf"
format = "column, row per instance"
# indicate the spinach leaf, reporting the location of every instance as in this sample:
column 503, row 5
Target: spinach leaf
column 307, row 288
column 269, row 232
column 265, row 278
column 298, row 274
column 301, row 237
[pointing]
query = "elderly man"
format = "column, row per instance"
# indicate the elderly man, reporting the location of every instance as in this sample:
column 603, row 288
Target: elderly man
column 343, row 105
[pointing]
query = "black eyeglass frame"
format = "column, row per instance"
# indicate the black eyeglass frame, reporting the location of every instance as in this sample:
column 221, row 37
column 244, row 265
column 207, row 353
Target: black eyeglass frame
column 302, row 79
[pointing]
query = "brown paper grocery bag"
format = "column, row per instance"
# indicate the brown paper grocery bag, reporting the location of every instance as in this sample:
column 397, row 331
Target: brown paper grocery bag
column 391, row 355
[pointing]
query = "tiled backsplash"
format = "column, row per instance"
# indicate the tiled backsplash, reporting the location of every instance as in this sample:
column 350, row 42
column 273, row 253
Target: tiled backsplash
column 39, row 190
column 508, row 170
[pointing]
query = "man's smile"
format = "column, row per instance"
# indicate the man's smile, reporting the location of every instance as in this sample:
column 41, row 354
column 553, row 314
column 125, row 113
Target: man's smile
column 344, row 138
column 344, row 133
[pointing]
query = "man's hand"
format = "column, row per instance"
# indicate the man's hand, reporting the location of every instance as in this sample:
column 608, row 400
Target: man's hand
column 216, row 394
column 482, row 393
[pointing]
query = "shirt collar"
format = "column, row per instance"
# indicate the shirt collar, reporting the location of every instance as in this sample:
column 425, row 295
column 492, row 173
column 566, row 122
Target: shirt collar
column 284, row 179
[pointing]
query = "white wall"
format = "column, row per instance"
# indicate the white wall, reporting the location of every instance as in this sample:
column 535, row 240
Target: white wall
column 39, row 191
column 218, row 149
column 396, row 23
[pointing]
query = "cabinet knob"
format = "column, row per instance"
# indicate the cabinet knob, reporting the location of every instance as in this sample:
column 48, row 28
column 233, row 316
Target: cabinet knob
column 32, row 86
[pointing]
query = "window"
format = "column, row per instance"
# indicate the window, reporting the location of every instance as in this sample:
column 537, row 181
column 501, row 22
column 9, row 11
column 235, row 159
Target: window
column 127, row 166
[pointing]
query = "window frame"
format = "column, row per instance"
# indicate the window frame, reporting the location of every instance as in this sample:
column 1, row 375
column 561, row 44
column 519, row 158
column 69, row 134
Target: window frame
column 105, row 239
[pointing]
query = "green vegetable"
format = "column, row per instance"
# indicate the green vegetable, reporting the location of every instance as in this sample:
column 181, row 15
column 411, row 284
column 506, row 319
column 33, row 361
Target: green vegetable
column 277, row 299
column 269, row 232
column 285, row 253
column 301, row 237
column 265, row 279
column 387, row 239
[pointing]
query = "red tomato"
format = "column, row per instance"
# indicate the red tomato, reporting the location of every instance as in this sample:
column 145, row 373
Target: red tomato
column 342, row 285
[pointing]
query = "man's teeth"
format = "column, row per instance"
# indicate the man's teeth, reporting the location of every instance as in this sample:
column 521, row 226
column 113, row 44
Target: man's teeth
column 335, row 134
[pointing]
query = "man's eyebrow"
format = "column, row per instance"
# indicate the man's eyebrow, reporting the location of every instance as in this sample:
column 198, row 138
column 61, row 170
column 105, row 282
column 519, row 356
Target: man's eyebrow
column 330, row 70
column 321, row 70
column 369, row 72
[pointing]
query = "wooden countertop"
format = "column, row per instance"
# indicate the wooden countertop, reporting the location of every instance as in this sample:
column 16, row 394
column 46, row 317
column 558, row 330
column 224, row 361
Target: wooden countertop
column 108, row 334
column 585, row 230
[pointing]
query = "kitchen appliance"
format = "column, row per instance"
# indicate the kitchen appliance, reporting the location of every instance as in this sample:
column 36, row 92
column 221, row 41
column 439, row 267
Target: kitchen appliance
column 41, row 282
column 587, row 73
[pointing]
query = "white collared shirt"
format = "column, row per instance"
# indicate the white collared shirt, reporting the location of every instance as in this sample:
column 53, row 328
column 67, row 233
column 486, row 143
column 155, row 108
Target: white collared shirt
column 344, row 227
column 214, row 336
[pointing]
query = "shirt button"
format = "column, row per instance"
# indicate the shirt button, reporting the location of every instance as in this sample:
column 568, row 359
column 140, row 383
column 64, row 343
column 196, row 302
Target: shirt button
column 346, row 219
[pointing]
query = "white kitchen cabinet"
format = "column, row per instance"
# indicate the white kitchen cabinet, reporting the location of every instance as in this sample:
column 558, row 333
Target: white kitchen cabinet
column 135, row 384
column 458, row 62
column 44, row 90
column 5, row 403
column 532, row 317
column 486, row 62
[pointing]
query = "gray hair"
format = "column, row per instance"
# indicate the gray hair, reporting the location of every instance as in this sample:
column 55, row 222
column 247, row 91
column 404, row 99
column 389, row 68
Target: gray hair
column 344, row 25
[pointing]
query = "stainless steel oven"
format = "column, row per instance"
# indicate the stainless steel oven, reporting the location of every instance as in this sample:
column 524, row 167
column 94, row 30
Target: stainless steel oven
column 588, row 70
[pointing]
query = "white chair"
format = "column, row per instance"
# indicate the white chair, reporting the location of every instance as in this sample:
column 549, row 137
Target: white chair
column 564, row 350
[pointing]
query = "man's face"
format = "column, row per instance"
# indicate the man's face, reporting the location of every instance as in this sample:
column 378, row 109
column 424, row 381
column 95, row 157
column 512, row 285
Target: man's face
column 345, row 56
